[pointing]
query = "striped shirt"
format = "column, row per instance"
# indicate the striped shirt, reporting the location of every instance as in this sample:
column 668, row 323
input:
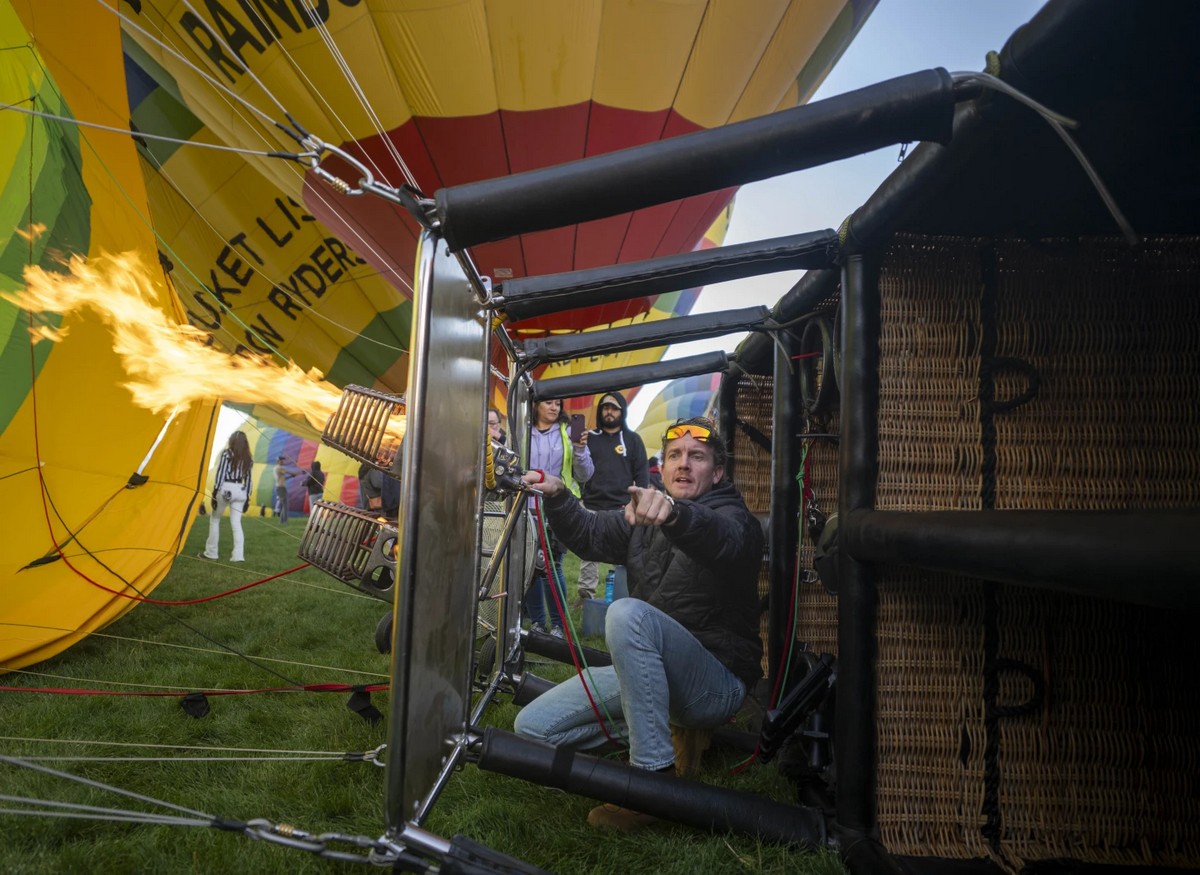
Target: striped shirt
column 227, row 473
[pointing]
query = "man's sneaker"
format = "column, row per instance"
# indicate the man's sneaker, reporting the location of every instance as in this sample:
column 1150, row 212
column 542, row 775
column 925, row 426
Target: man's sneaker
column 690, row 745
column 557, row 632
column 609, row 816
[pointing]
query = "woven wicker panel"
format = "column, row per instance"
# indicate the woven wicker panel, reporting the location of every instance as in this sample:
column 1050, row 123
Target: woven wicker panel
column 816, row 608
column 930, row 700
column 1106, row 769
column 929, row 379
column 752, row 463
column 1115, row 341
column 752, row 468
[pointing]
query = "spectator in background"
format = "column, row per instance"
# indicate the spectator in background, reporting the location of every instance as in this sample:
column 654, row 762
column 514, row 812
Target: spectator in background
column 315, row 484
column 231, row 488
column 552, row 454
column 619, row 458
column 495, row 424
column 282, row 472
column 655, row 469
column 370, row 487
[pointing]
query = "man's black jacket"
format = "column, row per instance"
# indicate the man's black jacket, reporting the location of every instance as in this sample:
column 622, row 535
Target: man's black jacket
column 702, row 570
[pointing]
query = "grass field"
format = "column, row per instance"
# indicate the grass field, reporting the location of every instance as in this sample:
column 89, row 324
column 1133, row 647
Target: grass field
column 276, row 755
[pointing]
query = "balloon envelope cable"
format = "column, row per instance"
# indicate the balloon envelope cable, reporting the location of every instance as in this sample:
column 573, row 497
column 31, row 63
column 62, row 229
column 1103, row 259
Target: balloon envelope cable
column 340, row 60
column 17, row 761
column 144, row 135
column 216, row 83
column 116, row 815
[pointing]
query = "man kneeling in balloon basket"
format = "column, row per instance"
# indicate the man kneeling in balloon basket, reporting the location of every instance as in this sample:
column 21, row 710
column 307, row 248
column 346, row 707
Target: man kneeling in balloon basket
column 685, row 646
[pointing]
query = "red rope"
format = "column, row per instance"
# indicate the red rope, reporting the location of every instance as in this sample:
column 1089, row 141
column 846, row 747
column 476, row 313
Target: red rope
column 208, row 598
column 550, row 578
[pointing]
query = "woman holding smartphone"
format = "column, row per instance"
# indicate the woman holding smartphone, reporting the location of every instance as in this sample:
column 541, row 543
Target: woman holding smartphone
column 557, row 452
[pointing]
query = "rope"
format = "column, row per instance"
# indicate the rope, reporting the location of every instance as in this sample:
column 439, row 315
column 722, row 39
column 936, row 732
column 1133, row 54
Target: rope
column 302, row 688
column 373, row 674
column 209, row 598
column 183, row 759
column 1059, row 124
column 46, row 770
column 77, row 811
column 327, row 38
column 156, row 745
column 568, row 630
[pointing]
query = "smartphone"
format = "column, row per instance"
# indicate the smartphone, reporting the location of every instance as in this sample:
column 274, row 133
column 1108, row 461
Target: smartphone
column 577, row 427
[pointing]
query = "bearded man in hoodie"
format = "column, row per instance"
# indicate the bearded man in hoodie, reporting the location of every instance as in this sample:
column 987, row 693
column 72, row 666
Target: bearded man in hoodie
column 619, row 456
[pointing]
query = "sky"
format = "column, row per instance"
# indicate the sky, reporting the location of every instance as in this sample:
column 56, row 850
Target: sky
column 901, row 36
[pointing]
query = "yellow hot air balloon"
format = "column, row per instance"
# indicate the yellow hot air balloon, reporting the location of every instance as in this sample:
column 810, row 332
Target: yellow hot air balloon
column 265, row 256
column 98, row 491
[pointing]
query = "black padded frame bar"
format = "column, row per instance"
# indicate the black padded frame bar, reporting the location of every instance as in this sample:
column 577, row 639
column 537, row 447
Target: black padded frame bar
column 704, row 806
column 561, row 347
column 530, row 297
column 918, row 106
column 1103, row 554
column 635, row 375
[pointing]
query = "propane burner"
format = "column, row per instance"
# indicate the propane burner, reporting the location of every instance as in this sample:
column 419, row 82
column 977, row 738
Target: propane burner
column 369, row 425
column 353, row 545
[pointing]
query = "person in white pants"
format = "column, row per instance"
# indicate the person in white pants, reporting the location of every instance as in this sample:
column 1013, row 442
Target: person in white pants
column 231, row 488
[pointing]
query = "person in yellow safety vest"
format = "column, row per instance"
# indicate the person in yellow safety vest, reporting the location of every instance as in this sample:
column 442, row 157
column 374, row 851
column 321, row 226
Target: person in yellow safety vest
column 552, row 453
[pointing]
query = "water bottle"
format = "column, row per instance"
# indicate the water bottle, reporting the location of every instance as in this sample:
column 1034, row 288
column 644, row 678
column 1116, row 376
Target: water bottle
column 608, row 584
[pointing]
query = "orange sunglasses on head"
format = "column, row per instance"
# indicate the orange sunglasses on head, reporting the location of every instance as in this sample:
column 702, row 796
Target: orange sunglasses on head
column 699, row 432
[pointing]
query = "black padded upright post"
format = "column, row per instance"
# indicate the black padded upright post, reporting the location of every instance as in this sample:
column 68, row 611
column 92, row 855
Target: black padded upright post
column 784, row 504
column 857, row 596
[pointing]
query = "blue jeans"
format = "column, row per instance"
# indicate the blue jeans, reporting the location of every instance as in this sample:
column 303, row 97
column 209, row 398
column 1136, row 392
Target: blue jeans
column 539, row 601
column 660, row 675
